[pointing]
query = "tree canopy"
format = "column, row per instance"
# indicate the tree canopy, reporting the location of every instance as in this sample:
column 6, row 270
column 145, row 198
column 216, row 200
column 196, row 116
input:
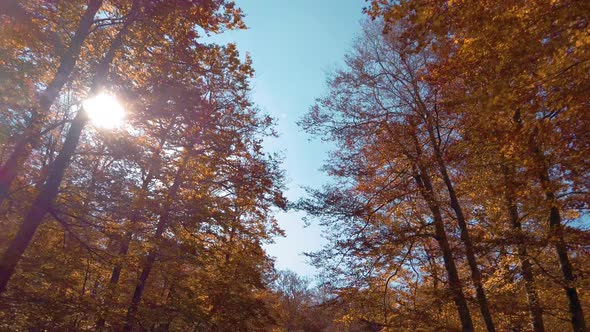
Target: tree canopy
column 459, row 176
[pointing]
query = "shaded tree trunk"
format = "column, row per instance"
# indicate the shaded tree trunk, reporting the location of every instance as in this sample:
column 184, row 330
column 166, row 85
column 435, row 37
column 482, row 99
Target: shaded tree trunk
column 151, row 257
column 556, row 231
column 41, row 204
column 465, row 237
column 425, row 184
column 50, row 189
column 32, row 134
column 426, row 188
column 534, row 304
column 555, row 228
column 115, row 275
column 126, row 240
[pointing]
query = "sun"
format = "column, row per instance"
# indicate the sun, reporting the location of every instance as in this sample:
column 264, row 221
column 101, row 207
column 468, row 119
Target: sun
column 104, row 110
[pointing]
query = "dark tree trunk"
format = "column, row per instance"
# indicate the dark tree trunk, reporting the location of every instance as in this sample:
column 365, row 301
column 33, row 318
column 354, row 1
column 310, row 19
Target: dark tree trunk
column 465, row 237
column 556, row 229
column 48, row 193
column 426, row 188
column 556, row 233
column 115, row 275
column 151, row 257
column 534, row 304
column 41, row 204
column 425, row 184
column 140, row 201
column 32, row 135
column 138, row 292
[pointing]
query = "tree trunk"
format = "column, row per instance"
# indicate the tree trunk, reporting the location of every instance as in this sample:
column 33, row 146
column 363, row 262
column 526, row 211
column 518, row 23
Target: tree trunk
column 41, row 204
column 465, row 237
column 151, row 257
column 139, row 202
column 556, row 235
column 138, row 292
column 556, row 231
column 32, row 135
column 115, row 276
column 425, row 184
column 48, row 193
column 534, row 304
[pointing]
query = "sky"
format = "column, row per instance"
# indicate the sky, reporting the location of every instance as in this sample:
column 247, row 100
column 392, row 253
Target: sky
column 293, row 44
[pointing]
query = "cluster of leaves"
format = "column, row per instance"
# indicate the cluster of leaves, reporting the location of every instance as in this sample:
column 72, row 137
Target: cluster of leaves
column 157, row 225
column 460, row 191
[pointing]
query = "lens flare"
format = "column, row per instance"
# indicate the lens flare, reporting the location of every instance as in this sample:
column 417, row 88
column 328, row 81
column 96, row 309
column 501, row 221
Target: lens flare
column 104, row 110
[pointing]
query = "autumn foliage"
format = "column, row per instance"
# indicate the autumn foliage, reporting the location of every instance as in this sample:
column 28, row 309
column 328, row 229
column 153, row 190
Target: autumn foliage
column 459, row 189
column 156, row 225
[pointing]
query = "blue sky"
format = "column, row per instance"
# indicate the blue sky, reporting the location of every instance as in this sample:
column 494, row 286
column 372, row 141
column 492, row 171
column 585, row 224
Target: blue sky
column 293, row 44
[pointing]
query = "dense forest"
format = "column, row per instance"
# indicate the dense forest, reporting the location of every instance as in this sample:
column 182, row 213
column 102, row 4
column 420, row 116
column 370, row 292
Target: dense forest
column 459, row 179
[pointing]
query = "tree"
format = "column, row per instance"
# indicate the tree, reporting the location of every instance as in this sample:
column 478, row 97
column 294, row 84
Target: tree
column 66, row 64
column 419, row 148
column 138, row 11
column 159, row 224
column 372, row 113
column 512, row 60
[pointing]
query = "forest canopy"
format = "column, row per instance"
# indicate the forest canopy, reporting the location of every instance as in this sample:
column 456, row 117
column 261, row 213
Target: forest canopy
column 137, row 192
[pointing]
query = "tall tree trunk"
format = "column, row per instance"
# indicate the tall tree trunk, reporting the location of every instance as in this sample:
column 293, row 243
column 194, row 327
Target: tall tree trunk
column 575, row 306
column 48, row 193
column 425, row 184
column 151, row 257
column 435, row 278
column 41, row 204
column 115, row 276
column 534, row 304
column 139, row 288
column 465, row 237
column 555, row 228
column 32, row 134
column 556, row 233
column 154, row 169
